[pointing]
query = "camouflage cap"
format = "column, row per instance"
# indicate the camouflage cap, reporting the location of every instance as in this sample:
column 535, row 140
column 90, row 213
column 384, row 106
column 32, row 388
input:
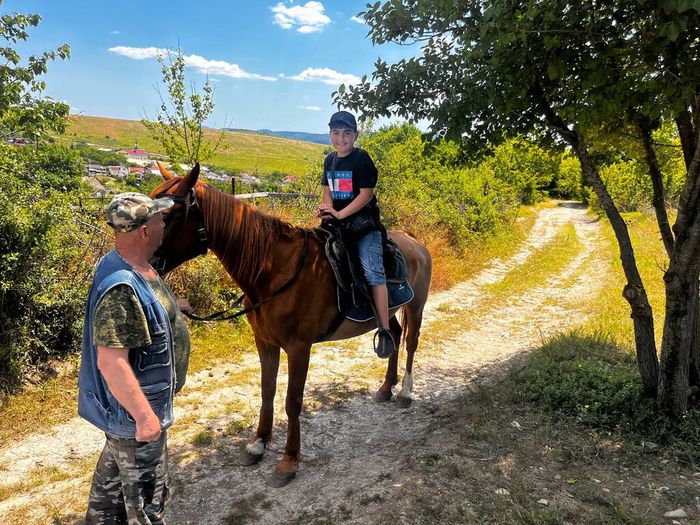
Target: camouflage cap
column 128, row 211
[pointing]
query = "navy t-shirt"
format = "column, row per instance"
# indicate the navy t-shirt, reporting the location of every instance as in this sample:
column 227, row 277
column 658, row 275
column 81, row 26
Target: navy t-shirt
column 346, row 175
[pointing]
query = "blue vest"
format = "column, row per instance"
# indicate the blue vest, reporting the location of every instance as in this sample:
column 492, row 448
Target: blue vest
column 153, row 365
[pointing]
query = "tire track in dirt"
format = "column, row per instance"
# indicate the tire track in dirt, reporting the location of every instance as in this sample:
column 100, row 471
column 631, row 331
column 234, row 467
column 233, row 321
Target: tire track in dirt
column 349, row 448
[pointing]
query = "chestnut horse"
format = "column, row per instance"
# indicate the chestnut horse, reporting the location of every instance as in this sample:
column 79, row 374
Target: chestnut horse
column 264, row 255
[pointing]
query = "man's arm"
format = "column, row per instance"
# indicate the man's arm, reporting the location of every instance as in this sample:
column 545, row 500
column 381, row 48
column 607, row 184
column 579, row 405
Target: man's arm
column 120, row 378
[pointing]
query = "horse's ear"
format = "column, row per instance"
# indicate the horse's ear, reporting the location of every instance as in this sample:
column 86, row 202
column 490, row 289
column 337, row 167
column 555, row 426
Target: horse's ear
column 167, row 174
column 191, row 178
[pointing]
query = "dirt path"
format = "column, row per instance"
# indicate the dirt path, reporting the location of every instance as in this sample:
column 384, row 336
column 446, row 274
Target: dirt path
column 351, row 446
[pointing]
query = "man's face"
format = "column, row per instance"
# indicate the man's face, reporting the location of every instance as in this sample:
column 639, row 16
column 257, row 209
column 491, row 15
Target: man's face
column 153, row 232
column 343, row 140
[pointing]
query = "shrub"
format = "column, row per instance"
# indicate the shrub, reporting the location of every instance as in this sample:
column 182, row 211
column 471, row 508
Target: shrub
column 590, row 378
column 204, row 283
column 43, row 273
column 49, row 166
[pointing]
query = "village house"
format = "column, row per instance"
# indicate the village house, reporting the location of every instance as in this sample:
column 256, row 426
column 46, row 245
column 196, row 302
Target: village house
column 96, row 169
column 136, row 156
column 118, row 171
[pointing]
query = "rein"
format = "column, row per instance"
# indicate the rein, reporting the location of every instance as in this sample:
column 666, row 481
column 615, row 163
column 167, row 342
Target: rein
column 176, row 221
column 220, row 316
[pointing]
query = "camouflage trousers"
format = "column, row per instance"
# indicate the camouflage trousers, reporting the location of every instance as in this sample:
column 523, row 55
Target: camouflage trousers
column 130, row 484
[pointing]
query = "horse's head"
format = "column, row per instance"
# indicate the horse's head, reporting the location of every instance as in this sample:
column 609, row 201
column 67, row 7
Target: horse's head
column 185, row 237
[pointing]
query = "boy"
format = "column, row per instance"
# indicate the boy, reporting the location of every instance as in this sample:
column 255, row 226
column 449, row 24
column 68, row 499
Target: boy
column 349, row 178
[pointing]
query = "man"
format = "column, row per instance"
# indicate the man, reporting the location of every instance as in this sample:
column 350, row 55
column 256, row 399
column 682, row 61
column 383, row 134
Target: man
column 132, row 337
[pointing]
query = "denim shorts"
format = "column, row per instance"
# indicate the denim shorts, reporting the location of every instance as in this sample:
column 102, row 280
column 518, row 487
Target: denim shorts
column 369, row 249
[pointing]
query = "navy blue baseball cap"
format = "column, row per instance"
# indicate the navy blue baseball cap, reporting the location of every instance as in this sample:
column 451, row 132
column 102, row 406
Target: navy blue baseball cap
column 343, row 118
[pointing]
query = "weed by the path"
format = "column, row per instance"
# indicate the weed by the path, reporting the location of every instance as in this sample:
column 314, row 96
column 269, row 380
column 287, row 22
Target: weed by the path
column 590, row 379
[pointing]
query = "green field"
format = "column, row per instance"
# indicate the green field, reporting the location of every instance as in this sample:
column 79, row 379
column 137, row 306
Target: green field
column 240, row 151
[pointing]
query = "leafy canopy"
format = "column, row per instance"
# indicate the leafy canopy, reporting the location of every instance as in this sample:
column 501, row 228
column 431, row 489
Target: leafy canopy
column 179, row 125
column 22, row 109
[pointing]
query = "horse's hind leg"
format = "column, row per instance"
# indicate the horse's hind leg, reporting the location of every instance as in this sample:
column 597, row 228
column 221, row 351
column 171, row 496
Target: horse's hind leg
column 413, row 317
column 391, row 378
column 269, row 364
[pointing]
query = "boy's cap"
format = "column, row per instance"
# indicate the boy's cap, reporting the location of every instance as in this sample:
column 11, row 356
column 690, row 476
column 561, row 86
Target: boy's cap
column 128, row 211
column 343, row 118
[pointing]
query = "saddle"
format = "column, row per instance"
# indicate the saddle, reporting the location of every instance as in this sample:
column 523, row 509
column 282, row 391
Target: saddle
column 354, row 297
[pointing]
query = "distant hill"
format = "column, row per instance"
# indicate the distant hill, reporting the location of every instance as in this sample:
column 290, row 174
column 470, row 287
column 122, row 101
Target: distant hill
column 318, row 138
column 245, row 151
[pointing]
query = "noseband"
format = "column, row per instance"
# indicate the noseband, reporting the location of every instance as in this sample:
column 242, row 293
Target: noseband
column 175, row 221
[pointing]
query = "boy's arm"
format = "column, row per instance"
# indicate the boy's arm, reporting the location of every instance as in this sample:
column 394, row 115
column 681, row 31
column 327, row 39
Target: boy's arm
column 327, row 198
column 355, row 205
column 114, row 365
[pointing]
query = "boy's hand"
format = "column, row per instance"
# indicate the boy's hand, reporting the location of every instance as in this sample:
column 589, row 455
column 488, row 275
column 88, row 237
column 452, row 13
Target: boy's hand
column 324, row 210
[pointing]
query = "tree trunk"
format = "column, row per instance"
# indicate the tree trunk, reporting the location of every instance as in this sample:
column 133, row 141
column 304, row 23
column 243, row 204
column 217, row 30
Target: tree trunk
column 633, row 292
column 680, row 327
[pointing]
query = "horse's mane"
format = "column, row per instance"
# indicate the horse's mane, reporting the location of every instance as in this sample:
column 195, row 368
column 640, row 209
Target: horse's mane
column 243, row 234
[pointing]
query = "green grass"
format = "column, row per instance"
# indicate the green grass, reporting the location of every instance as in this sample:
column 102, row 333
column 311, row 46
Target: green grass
column 590, row 374
column 241, row 151
column 611, row 313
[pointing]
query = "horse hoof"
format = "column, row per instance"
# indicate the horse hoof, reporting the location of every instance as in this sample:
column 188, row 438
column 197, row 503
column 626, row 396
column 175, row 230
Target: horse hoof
column 382, row 396
column 246, row 459
column 280, row 479
column 403, row 402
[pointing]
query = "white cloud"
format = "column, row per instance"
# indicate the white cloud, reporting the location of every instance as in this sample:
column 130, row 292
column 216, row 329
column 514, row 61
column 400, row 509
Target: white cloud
column 220, row 67
column 358, row 19
column 116, row 32
column 196, row 62
column 307, row 18
column 325, row 75
column 311, row 108
column 139, row 53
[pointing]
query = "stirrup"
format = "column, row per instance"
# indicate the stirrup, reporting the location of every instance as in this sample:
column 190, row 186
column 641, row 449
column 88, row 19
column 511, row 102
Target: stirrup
column 386, row 345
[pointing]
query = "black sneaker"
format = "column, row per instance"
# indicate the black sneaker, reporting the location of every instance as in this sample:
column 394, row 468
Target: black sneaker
column 385, row 346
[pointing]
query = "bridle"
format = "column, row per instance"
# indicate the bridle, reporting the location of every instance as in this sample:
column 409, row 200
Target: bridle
column 175, row 220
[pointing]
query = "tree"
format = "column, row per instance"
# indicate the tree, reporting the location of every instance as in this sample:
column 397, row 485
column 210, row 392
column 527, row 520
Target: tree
column 22, row 109
column 564, row 70
column 179, row 125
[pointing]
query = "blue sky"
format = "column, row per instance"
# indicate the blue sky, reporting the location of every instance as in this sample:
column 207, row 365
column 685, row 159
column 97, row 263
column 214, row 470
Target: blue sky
column 274, row 64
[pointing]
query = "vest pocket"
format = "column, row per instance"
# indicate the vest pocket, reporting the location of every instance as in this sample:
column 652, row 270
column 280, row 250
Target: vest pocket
column 156, row 355
column 158, row 396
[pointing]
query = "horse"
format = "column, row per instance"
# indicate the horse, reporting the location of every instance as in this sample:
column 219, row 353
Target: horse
column 290, row 296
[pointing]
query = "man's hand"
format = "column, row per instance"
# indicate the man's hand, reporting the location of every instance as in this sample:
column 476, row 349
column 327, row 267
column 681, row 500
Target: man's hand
column 184, row 306
column 120, row 378
column 148, row 428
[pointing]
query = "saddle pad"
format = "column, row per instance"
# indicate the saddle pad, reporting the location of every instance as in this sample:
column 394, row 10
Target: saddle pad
column 400, row 293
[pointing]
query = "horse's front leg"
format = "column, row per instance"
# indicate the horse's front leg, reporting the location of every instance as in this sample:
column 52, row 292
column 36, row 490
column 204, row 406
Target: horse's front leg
column 298, row 358
column 269, row 364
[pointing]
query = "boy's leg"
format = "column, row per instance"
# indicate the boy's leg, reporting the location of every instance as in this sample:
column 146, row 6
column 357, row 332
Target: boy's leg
column 143, row 470
column 381, row 304
column 370, row 251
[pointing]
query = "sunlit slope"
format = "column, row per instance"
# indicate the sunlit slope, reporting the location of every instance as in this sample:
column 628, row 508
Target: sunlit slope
column 241, row 151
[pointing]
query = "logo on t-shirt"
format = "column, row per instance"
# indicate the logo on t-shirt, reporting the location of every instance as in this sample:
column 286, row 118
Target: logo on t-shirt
column 340, row 184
